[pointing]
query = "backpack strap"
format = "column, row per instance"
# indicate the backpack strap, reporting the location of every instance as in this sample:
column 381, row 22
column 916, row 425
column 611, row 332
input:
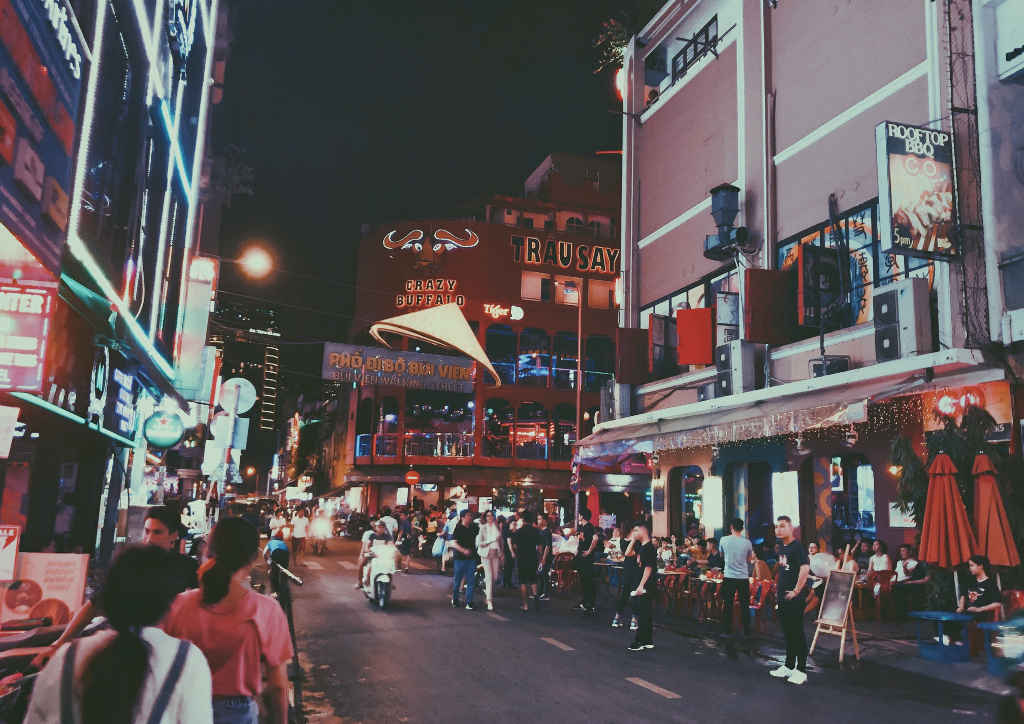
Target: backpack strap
column 67, row 680
column 164, row 697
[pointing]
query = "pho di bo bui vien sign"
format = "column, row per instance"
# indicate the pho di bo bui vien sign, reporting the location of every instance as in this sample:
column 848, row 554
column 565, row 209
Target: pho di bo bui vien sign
column 566, row 254
column 414, row 370
column 430, row 293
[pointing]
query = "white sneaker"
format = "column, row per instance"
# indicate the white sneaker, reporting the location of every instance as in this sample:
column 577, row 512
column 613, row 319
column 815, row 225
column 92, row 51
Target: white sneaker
column 944, row 641
column 783, row 672
column 797, row 677
column 490, row 606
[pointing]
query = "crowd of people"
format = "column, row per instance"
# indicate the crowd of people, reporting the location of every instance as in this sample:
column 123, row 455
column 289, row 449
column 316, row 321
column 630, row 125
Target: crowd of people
column 184, row 641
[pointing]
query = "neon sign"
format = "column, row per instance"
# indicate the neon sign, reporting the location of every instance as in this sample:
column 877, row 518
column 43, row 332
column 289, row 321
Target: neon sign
column 497, row 311
column 430, row 293
column 24, row 328
column 566, row 255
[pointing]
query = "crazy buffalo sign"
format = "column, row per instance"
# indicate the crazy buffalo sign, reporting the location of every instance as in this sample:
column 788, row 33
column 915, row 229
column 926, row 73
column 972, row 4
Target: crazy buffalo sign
column 379, row 366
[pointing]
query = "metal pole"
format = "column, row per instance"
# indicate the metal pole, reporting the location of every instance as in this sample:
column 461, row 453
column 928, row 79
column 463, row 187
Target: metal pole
column 579, row 386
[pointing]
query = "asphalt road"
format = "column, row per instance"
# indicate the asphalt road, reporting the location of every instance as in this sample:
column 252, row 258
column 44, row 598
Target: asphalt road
column 422, row 661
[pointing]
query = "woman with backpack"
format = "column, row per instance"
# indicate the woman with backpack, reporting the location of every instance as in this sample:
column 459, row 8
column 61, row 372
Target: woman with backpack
column 239, row 630
column 133, row 672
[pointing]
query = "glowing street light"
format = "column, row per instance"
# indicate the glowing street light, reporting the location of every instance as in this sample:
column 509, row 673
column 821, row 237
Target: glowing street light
column 256, row 262
column 250, row 471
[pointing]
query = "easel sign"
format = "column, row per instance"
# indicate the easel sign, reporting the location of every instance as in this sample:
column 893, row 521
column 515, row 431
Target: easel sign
column 835, row 616
column 9, row 541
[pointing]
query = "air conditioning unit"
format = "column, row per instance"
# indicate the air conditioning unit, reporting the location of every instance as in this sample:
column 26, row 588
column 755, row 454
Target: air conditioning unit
column 736, row 363
column 903, row 320
column 829, row 365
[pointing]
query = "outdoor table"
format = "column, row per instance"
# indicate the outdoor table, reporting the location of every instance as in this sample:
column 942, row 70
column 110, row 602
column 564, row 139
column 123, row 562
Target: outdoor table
column 611, row 569
column 997, row 665
column 939, row 651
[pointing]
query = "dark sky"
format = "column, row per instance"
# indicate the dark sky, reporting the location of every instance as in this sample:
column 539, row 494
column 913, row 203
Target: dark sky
column 353, row 112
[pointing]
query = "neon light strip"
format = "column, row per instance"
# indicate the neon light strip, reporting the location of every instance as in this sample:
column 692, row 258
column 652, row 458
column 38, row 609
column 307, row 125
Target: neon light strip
column 50, row 407
column 161, row 249
column 206, row 14
column 197, row 161
column 171, row 128
column 149, row 30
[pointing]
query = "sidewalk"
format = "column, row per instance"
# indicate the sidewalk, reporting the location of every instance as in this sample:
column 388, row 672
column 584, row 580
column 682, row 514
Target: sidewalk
column 888, row 652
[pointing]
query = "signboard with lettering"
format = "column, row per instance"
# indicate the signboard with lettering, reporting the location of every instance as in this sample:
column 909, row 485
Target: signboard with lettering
column 414, row 370
column 568, row 255
column 25, row 315
column 915, row 190
column 42, row 68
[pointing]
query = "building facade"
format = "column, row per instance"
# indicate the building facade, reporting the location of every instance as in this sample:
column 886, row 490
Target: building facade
column 801, row 310
column 518, row 278
column 106, row 108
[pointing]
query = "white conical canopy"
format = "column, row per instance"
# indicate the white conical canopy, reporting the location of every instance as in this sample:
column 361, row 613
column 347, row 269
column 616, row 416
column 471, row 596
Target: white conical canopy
column 443, row 326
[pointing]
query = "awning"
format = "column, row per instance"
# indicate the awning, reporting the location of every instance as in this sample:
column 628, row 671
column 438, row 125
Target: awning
column 443, row 326
column 616, row 482
column 839, row 399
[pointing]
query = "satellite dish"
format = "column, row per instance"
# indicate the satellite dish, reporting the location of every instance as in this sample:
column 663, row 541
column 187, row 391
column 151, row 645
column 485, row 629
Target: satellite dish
column 238, row 393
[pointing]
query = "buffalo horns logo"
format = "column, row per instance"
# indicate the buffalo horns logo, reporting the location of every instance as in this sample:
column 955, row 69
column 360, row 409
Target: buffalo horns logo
column 428, row 256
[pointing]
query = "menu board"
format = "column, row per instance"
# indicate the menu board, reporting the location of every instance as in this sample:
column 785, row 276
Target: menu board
column 47, row 585
column 835, row 602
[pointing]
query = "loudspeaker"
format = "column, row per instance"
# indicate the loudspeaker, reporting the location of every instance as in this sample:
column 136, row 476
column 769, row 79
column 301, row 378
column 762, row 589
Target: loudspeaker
column 735, row 363
column 706, row 392
column 723, row 357
column 903, row 320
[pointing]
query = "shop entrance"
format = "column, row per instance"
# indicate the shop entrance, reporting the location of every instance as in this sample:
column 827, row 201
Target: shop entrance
column 686, row 501
column 760, row 515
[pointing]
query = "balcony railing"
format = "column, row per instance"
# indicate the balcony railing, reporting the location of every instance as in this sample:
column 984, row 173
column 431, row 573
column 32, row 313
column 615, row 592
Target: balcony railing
column 386, row 445
column 439, row 444
column 364, row 445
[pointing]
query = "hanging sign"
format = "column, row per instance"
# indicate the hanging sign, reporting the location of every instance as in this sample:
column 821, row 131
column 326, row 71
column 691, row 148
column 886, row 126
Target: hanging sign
column 163, row 429
column 9, row 537
column 41, row 72
column 915, row 190
column 414, row 370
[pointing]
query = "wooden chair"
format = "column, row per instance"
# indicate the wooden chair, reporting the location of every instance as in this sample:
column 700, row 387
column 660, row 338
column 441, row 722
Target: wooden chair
column 884, row 581
column 761, row 598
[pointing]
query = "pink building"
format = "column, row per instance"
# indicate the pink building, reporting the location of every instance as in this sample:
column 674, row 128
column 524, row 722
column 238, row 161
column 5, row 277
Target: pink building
column 772, row 403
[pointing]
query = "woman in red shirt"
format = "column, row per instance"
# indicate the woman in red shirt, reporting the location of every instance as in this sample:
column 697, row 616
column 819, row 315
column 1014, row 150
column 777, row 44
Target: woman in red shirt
column 237, row 629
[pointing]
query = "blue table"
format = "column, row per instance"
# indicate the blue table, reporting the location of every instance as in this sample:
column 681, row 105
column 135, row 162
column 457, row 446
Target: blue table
column 997, row 665
column 938, row 651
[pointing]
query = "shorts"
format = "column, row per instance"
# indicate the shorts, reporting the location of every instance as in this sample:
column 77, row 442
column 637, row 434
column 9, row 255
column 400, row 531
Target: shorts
column 527, row 571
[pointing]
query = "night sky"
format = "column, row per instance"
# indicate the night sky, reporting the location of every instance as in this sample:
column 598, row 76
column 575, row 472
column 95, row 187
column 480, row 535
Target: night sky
column 356, row 112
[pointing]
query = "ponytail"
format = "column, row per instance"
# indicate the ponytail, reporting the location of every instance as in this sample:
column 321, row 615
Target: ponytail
column 234, row 544
column 114, row 679
column 138, row 592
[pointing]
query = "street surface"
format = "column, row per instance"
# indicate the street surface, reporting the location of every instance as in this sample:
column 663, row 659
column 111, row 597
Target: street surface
column 422, row 661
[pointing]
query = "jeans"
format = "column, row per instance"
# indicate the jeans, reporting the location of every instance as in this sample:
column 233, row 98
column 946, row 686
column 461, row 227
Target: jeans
column 739, row 587
column 791, row 617
column 235, row 710
column 630, row 580
column 464, row 570
column 643, row 607
column 544, row 579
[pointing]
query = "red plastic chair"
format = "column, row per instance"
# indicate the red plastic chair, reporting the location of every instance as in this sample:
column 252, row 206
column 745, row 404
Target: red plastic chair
column 761, row 596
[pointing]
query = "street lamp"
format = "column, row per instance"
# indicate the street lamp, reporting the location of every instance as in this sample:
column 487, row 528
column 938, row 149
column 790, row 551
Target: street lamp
column 577, row 286
column 250, row 471
column 256, row 262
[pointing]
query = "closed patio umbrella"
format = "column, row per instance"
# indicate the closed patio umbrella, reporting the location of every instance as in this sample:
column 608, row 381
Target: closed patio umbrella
column 946, row 536
column 995, row 539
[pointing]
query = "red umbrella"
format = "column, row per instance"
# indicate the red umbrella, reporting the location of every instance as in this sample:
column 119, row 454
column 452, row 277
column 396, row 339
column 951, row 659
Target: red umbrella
column 946, row 536
column 995, row 540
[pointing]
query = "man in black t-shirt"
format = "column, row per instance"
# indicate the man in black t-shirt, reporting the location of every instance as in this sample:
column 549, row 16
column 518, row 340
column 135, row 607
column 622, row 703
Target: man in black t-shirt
column 463, row 544
column 794, row 568
column 643, row 595
column 585, row 561
column 526, row 549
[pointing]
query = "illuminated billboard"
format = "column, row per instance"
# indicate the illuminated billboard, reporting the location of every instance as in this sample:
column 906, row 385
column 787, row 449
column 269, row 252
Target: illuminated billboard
column 42, row 67
column 414, row 370
column 915, row 190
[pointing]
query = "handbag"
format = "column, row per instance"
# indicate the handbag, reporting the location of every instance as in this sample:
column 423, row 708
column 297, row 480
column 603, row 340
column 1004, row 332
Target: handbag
column 438, row 548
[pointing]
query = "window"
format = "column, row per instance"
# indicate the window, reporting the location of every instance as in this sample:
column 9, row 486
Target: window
column 534, row 357
column 855, row 235
column 696, row 296
column 573, row 223
column 601, row 294
column 536, row 286
column 567, row 290
column 595, row 227
column 698, row 46
column 500, row 343
column 549, row 225
column 526, row 222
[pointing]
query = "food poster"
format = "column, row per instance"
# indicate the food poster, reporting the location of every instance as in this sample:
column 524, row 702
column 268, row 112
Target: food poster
column 47, row 585
column 10, row 536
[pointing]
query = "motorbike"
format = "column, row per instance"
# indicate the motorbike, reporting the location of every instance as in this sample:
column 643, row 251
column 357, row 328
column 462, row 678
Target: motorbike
column 357, row 525
column 319, row 532
column 378, row 578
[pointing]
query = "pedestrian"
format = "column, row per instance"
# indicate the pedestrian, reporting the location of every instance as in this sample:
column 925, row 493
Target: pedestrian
column 508, row 569
column 585, row 562
column 488, row 547
column 160, row 529
column 131, row 671
column 630, row 579
column 546, row 557
column 794, row 569
column 643, row 594
column 463, row 545
column 244, row 634
column 738, row 554
column 277, row 522
column 526, row 549
column 448, row 534
column 405, row 540
column 300, row 530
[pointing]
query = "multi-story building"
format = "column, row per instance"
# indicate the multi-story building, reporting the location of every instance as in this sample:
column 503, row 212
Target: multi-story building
column 103, row 117
column 809, row 309
column 518, row 277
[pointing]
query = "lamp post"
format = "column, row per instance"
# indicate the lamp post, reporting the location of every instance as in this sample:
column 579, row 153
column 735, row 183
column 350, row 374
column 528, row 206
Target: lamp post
column 578, row 287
